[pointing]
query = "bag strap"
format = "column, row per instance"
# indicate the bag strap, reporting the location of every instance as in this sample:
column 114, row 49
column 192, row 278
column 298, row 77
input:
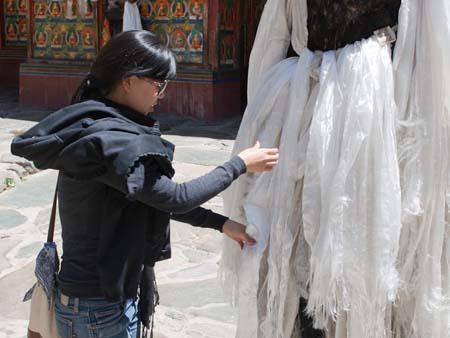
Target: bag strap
column 51, row 224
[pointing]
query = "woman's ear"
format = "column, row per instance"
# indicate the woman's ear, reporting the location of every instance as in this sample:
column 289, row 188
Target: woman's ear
column 126, row 84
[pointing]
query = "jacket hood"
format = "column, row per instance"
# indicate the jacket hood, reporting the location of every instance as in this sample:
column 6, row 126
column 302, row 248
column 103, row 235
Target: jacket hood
column 84, row 138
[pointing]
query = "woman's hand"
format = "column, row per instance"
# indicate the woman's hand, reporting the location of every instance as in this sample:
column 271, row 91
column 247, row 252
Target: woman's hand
column 236, row 231
column 259, row 159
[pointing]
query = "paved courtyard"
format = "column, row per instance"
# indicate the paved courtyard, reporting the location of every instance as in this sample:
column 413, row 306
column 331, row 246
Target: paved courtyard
column 192, row 304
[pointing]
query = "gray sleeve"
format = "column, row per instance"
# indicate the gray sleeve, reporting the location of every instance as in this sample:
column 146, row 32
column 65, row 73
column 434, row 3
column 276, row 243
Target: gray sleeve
column 150, row 187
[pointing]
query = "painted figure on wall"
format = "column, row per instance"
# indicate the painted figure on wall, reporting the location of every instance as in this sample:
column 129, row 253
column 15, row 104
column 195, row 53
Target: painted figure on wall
column 55, row 9
column 146, row 9
column 106, row 32
column 10, row 6
column 40, row 10
column 11, row 31
column 23, row 7
column 179, row 40
column 41, row 39
column 196, row 9
column 196, row 41
column 178, row 9
column 72, row 39
column 161, row 34
column 88, row 38
column 57, row 39
column 23, row 29
column 162, row 8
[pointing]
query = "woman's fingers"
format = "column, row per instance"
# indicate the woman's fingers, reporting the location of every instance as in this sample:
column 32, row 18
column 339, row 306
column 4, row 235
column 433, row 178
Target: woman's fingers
column 272, row 157
column 272, row 151
column 236, row 231
column 255, row 158
column 245, row 239
column 249, row 240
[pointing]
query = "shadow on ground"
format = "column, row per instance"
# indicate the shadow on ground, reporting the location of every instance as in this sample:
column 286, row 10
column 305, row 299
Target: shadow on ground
column 170, row 124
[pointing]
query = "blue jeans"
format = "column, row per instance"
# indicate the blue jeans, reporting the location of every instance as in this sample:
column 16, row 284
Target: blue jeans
column 96, row 318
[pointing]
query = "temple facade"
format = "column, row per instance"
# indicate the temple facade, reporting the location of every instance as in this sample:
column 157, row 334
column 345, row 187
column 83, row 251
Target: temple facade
column 47, row 46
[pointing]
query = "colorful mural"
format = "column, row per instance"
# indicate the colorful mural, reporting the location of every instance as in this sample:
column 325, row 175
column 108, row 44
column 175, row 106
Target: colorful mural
column 179, row 24
column 16, row 24
column 65, row 29
column 106, row 32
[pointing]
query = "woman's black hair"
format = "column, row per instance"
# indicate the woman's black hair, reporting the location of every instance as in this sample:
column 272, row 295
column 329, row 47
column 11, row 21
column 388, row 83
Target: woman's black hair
column 128, row 53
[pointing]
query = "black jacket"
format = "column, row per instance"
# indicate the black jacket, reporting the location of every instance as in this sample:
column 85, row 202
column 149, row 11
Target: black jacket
column 116, row 195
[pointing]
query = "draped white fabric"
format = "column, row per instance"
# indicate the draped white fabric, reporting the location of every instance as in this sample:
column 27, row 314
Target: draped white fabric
column 423, row 60
column 343, row 220
column 273, row 37
column 351, row 197
column 131, row 17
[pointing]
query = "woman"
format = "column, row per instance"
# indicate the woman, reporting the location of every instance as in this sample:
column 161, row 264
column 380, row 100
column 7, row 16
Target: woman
column 115, row 192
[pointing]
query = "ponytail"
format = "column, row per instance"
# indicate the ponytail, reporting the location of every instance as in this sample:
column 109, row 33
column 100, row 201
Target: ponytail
column 88, row 89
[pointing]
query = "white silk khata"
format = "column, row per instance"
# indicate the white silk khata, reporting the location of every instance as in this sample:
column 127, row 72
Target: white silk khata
column 355, row 218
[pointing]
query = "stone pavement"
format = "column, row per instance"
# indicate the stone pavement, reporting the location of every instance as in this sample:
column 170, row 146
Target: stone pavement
column 192, row 304
column 13, row 120
column 12, row 168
